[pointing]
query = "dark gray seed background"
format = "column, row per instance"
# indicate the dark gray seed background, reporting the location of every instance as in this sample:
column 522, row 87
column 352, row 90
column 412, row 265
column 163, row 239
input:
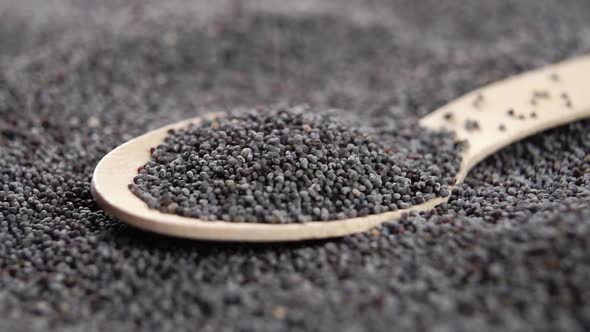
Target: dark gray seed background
column 510, row 252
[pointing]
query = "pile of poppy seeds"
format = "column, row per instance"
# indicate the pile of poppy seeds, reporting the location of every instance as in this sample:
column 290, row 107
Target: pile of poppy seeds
column 295, row 165
column 508, row 252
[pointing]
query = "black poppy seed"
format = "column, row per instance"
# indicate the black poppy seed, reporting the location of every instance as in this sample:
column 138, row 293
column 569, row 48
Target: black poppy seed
column 510, row 112
column 540, row 94
column 479, row 99
column 502, row 127
column 471, row 125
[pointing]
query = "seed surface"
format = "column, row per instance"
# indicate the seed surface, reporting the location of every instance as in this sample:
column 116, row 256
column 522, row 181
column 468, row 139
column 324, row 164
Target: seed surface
column 73, row 88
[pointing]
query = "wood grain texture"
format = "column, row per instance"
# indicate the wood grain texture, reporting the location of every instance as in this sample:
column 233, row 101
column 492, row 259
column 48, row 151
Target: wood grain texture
column 488, row 119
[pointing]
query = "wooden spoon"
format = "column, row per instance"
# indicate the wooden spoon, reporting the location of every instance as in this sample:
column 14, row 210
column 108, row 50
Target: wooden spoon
column 489, row 119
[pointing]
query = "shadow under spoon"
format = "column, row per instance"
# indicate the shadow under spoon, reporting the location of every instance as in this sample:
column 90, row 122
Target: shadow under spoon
column 488, row 119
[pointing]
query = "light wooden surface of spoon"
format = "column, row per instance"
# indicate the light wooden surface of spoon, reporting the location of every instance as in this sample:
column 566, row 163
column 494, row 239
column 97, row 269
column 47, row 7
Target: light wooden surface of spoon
column 489, row 119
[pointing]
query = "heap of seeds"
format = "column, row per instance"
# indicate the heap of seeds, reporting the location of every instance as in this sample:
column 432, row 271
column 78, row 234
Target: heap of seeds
column 294, row 165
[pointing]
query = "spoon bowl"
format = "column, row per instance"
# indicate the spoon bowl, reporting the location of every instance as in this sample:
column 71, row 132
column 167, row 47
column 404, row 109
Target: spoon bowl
column 488, row 119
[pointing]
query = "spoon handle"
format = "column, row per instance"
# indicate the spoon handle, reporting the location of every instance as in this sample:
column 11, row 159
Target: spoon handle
column 507, row 111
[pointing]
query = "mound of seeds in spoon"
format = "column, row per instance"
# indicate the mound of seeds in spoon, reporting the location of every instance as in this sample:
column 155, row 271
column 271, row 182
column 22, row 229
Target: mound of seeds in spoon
column 294, row 165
